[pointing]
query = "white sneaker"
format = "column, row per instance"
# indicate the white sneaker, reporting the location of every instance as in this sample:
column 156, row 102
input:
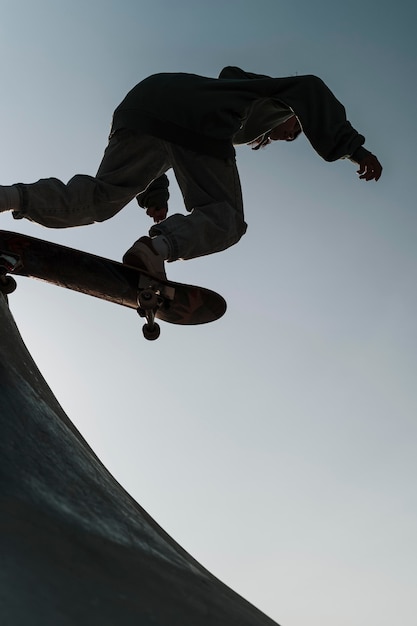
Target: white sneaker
column 144, row 256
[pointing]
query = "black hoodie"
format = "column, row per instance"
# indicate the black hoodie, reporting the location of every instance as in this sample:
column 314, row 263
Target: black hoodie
column 209, row 114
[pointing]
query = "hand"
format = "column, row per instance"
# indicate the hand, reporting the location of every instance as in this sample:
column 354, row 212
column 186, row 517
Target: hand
column 370, row 168
column 157, row 213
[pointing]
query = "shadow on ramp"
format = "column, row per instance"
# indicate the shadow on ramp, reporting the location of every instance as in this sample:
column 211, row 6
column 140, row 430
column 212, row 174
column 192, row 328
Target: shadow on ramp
column 76, row 549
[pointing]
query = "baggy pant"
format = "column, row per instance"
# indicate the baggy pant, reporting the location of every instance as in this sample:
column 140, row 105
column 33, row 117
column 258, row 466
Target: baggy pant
column 210, row 188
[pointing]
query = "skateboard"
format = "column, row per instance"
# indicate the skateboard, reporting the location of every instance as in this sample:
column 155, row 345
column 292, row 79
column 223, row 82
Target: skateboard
column 152, row 298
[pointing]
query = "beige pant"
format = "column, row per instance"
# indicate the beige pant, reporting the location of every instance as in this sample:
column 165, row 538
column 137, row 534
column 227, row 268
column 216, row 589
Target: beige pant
column 210, row 188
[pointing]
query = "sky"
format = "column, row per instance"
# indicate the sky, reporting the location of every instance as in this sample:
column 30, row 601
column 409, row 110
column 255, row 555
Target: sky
column 276, row 445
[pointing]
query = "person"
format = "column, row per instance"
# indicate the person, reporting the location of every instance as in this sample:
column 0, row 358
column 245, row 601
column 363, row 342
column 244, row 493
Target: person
column 191, row 124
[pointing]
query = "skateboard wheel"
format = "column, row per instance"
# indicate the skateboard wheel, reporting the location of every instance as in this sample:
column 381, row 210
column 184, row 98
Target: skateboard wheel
column 148, row 299
column 151, row 332
column 7, row 284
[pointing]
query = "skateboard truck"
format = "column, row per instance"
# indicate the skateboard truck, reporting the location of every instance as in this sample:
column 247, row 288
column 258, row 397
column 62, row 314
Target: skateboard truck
column 8, row 263
column 151, row 297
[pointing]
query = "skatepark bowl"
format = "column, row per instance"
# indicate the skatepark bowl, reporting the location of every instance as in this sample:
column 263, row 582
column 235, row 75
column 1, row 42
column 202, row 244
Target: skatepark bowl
column 76, row 549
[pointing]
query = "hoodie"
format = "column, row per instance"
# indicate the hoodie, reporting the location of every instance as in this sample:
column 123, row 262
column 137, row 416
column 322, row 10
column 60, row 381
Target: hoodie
column 210, row 115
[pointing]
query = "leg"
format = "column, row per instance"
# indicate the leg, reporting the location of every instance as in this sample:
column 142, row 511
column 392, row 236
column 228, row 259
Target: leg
column 130, row 162
column 213, row 197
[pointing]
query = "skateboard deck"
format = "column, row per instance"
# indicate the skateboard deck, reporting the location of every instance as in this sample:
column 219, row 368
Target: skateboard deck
column 172, row 302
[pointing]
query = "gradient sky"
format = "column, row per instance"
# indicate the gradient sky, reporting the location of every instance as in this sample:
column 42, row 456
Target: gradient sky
column 276, row 445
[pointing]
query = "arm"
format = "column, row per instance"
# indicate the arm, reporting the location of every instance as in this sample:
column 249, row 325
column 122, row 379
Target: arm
column 321, row 115
column 155, row 199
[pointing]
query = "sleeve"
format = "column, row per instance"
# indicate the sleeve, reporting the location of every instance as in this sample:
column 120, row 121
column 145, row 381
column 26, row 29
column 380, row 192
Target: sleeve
column 323, row 119
column 156, row 194
column 321, row 115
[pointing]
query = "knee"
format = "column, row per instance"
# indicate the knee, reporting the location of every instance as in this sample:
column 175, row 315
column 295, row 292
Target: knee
column 241, row 230
column 237, row 233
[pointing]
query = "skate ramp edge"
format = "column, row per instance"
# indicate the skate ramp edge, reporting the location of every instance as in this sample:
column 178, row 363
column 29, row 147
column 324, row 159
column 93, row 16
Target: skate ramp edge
column 76, row 549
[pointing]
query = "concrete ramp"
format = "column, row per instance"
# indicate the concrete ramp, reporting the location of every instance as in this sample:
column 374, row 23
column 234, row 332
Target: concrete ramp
column 75, row 548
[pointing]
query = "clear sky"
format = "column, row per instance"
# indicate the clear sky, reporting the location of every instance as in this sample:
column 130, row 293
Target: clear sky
column 276, row 445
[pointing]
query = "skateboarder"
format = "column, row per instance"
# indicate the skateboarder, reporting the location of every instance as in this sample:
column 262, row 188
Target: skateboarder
column 191, row 123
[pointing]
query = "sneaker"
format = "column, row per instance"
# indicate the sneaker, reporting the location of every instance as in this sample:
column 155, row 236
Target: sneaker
column 144, row 256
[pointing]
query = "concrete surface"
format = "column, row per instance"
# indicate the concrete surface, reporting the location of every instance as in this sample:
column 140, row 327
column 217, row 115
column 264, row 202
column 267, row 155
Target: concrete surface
column 75, row 548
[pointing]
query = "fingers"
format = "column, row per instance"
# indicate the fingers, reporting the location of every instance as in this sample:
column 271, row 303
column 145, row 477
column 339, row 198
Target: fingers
column 370, row 168
column 157, row 213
